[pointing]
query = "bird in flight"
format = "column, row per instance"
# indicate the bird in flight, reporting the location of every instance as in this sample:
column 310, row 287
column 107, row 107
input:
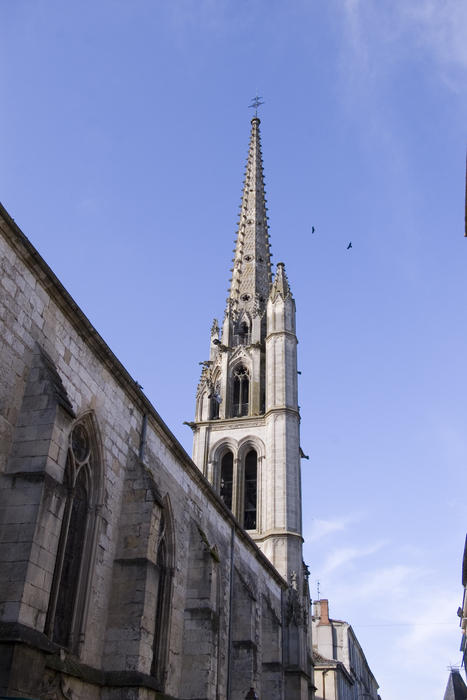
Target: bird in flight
column 312, row 229
column 350, row 245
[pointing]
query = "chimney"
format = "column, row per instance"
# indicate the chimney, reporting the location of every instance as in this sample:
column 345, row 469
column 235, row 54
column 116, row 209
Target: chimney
column 322, row 611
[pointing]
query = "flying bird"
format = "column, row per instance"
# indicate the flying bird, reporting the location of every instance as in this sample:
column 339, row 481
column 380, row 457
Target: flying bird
column 312, row 229
column 350, row 245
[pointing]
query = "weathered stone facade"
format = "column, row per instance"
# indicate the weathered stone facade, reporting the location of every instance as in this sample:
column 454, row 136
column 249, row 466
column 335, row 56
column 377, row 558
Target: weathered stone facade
column 123, row 572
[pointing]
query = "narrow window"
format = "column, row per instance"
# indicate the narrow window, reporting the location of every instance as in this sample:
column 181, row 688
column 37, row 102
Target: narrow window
column 73, row 551
column 241, row 390
column 163, row 595
column 73, row 560
column 160, row 632
column 227, row 479
column 249, row 520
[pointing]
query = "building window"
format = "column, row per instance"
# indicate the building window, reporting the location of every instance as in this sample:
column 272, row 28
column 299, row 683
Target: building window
column 241, row 390
column 250, row 491
column 227, row 479
column 164, row 574
column 73, row 562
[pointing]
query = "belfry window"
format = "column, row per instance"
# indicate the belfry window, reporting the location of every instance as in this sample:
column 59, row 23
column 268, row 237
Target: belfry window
column 227, row 479
column 241, row 334
column 241, row 390
column 72, row 563
column 250, row 491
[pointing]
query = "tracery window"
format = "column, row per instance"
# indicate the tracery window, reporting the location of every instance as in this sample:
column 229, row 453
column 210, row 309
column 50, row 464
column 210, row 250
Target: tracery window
column 241, row 391
column 74, row 555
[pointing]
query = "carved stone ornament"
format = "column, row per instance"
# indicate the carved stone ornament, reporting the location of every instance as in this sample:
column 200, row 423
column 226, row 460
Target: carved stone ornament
column 54, row 687
column 294, row 610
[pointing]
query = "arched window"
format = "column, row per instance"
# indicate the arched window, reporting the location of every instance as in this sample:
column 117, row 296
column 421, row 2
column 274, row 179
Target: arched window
column 250, row 491
column 241, row 391
column 227, row 479
column 74, row 554
column 164, row 573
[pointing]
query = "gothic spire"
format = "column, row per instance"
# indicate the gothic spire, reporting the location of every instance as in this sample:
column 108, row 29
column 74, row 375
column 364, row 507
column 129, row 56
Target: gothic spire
column 251, row 274
column 280, row 286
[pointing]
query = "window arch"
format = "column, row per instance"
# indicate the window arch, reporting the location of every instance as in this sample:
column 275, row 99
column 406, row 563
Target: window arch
column 73, row 565
column 241, row 391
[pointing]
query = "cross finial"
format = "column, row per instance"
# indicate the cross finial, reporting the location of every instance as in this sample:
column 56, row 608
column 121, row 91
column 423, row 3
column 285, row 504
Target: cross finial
column 317, row 586
column 255, row 103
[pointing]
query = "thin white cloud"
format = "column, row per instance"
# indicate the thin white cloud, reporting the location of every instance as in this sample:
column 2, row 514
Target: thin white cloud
column 321, row 528
column 394, row 581
column 441, row 26
column 382, row 34
column 346, row 555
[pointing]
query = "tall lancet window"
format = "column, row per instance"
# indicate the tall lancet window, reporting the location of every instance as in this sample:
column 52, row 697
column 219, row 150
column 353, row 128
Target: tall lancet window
column 250, row 491
column 241, row 391
column 74, row 555
column 164, row 573
column 227, row 479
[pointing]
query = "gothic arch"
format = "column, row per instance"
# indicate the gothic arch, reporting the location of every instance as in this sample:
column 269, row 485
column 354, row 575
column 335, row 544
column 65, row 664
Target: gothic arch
column 251, row 442
column 218, row 451
column 240, row 388
column 74, row 563
column 242, row 330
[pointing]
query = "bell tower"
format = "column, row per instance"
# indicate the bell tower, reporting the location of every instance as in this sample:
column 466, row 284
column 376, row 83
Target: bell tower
column 246, row 427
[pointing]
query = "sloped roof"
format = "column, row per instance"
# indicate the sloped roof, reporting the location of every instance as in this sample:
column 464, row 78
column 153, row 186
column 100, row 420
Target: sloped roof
column 456, row 688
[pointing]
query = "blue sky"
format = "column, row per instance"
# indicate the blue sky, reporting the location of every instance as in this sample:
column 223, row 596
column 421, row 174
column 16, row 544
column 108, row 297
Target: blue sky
column 124, row 131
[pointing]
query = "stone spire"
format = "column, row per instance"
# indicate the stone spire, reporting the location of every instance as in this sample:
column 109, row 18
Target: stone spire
column 280, row 286
column 251, row 273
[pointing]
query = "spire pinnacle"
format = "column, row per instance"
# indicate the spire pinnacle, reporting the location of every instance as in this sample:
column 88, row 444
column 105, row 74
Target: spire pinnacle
column 280, row 286
column 251, row 276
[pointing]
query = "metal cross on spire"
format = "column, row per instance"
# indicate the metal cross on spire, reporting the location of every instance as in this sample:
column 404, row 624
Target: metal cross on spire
column 255, row 103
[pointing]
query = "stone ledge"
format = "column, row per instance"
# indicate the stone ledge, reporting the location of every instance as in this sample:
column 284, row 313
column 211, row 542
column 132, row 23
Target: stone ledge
column 15, row 632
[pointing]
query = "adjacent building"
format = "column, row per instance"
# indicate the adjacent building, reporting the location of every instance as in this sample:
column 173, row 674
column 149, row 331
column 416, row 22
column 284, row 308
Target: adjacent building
column 340, row 667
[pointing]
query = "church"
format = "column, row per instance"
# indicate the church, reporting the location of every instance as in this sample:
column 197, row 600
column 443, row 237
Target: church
column 128, row 569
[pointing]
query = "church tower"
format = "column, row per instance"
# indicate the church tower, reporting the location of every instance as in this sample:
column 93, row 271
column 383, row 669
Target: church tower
column 246, row 428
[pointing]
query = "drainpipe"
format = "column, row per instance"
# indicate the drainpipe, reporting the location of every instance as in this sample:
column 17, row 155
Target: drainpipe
column 324, row 684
